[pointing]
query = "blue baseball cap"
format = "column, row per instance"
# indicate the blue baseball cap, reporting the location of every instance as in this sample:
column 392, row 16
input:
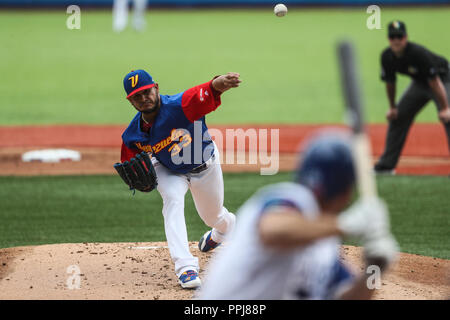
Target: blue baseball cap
column 327, row 166
column 137, row 80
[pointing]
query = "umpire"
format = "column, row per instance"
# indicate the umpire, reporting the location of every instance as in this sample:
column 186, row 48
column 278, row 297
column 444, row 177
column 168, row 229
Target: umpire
column 430, row 80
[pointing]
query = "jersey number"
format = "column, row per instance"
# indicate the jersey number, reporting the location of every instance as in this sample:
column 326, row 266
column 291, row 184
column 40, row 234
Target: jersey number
column 184, row 139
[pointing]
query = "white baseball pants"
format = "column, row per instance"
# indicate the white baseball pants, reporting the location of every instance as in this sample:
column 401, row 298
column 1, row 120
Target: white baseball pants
column 120, row 14
column 208, row 192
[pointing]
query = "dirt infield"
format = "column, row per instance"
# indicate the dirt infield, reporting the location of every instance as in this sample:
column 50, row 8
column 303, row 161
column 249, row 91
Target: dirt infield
column 145, row 271
column 425, row 152
column 100, row 161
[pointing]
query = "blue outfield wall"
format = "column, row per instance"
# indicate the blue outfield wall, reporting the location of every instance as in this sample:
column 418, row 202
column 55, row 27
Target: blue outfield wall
column 31, row 3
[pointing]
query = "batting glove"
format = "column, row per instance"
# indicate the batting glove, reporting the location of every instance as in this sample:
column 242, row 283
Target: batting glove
column 366, row 218
column 381, row 251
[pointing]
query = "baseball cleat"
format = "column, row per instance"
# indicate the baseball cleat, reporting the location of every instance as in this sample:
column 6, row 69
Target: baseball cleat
column 189, row 280
column 382, row 170
column 206, row 243
column 388, row 172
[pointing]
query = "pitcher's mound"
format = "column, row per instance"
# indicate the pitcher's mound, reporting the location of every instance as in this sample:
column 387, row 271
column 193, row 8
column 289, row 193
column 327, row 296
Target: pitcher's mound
column 145, row 271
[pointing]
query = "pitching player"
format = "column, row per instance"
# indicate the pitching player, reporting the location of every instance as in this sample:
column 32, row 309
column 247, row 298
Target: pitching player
column 172, row 128
column 430, row 81
column 120, row 14
column 286, row 241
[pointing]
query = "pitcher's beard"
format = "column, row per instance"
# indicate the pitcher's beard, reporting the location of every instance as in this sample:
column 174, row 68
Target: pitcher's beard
column 154, row 109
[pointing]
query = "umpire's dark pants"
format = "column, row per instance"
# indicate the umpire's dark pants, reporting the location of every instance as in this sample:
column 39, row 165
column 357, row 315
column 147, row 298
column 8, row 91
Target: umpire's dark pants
column 413, row 100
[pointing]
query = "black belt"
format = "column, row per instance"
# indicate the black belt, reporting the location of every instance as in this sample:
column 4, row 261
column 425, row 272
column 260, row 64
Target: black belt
column 202, row 167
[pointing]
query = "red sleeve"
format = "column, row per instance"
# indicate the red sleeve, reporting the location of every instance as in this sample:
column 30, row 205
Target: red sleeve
column 126, row 153
column 200, row 100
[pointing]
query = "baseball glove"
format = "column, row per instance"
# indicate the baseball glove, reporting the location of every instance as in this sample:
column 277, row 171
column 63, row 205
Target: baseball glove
column 138, row 173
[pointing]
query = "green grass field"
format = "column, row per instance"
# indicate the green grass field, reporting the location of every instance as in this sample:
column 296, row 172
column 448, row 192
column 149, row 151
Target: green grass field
column 42, row 210
column 54, row 75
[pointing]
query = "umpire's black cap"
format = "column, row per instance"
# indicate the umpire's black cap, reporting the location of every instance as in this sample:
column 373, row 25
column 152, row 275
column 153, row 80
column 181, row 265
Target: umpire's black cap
column 396, row 28
column 327, row 167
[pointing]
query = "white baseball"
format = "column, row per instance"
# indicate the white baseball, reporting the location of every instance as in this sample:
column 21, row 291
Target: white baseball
column 280, row 10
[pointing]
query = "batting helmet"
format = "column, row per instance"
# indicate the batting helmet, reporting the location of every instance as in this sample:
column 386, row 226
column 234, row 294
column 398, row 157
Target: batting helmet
column 327, row 166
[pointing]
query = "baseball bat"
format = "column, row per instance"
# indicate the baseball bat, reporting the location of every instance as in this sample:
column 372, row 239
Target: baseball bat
column 355, row 115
